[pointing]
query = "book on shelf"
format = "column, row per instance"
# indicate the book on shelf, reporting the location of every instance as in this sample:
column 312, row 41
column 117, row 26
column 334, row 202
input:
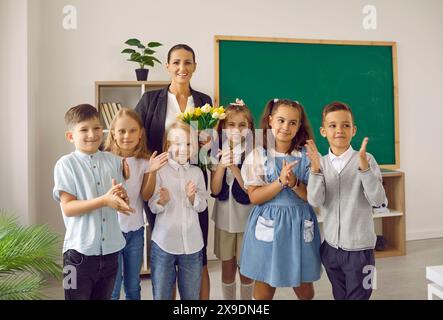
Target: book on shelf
column 111, row 110
column 106, row 114
column 115, row 107
column 108, row 110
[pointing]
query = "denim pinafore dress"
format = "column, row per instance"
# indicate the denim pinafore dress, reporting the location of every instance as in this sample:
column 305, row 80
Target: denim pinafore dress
column 281, row 244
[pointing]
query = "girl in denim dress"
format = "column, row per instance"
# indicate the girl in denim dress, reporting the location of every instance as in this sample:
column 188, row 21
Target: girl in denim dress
column 281, row 245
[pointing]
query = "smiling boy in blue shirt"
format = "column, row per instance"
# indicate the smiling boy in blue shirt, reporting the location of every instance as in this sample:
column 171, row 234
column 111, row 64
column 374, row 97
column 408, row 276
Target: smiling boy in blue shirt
column 85, row 186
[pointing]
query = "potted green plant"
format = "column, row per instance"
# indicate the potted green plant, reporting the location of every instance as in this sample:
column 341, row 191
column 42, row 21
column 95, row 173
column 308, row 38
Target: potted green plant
column 143, row 55
column 28, row 256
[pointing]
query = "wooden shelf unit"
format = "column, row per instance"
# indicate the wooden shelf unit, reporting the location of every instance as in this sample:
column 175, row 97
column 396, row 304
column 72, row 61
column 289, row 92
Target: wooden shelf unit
column 127, row 93
column 394, row 227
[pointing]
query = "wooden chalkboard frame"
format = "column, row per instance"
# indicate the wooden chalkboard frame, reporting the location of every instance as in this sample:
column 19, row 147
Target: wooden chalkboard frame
column 218, row 38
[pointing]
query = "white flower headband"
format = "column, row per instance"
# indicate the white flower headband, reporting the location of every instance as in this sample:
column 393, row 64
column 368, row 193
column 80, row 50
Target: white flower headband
column 276, row 100
column 238, row 102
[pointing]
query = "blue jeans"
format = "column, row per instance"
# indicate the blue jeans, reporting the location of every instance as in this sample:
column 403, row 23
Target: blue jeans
column 130, row 262
column 166, row 266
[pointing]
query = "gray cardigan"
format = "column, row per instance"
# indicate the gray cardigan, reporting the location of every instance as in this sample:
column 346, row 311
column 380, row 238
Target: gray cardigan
column 345, row 201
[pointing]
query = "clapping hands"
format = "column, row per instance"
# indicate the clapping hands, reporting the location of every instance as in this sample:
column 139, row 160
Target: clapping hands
column 313, row 155
column 364, row 164
column 157, row 161
column 191, row 190
column 117, row 198
column 287, row 177
column 227, row 158
column 164, row 196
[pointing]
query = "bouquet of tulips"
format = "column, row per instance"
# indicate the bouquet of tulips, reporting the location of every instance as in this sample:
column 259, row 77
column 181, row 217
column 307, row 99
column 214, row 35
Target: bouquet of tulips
column 202, row 118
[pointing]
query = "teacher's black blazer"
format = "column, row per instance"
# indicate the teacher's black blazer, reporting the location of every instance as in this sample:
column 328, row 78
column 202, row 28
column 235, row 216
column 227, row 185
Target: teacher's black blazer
column 152, row 110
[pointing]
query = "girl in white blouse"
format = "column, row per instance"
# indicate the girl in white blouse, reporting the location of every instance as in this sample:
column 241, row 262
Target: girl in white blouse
column 127, row 139
column 232, row 205
column 177, row 240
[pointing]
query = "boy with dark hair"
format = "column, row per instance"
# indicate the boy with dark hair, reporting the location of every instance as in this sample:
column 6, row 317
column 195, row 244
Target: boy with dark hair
column 345, row 185
column 86, row 188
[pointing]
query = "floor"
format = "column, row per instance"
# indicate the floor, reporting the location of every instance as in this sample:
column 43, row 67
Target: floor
column 399, row 278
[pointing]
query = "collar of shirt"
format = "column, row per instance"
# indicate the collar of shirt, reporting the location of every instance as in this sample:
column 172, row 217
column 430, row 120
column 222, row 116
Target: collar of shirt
column 173, row 108
column 344, row 157
column 294, row 153
column 175, row 165
column 86, row 156
column 173, row 100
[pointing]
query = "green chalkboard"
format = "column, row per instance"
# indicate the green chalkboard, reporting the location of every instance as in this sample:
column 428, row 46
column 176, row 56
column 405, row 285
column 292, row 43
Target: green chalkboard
column 363, row 75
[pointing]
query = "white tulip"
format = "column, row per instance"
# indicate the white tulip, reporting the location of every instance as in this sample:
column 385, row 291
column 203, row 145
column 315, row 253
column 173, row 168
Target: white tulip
column 216, row 115
column 206, row 108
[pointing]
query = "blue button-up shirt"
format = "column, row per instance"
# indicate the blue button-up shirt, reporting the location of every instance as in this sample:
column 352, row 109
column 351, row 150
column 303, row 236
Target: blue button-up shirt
column 88, row 176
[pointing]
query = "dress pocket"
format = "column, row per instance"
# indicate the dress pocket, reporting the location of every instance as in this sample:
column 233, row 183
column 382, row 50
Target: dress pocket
column 308, row 230
column 264, row 229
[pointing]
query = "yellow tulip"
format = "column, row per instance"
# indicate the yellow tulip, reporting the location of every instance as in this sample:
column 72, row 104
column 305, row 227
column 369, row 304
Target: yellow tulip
column 190, row 111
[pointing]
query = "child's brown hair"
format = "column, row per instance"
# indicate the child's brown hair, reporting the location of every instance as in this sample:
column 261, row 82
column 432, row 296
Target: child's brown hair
column 235, row 108
column 141, row 151
column 82, row 112
column 335, row 106
column 304, row 132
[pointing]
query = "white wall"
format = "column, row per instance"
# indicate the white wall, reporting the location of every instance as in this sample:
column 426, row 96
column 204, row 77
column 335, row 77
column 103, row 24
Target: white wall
column 14, row 124
column 70, row 61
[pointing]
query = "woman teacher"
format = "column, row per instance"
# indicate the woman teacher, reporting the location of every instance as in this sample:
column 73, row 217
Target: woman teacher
column 158, row 109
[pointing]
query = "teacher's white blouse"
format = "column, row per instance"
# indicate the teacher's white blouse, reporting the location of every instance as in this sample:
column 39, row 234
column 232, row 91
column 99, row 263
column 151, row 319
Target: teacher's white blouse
column 172, row 108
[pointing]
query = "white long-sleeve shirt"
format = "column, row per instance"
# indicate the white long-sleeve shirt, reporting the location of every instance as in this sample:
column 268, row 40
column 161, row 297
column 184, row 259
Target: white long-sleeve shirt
column 177, row 228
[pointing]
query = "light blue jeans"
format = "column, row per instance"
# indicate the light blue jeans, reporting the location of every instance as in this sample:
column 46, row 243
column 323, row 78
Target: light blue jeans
column 164, row 269
column 130, row 261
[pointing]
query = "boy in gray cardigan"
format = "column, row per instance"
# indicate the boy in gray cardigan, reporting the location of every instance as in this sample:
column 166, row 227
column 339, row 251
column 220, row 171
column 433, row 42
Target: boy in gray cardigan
column 345, row 185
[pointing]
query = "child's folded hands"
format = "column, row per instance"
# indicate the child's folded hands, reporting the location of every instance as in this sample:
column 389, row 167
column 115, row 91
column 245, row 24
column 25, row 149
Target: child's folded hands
column 285, row 170
column 163, row 196
column 117, row 198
